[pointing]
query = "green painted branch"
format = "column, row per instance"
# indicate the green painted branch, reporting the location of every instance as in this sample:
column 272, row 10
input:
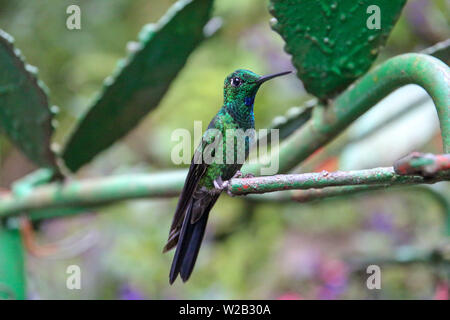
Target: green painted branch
column 328, row 121
column 89, row 193
column 93, row 192
column 324, row 179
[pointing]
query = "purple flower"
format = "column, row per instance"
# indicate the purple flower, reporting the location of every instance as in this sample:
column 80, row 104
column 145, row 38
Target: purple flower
column 128, row 292
column 381, row 222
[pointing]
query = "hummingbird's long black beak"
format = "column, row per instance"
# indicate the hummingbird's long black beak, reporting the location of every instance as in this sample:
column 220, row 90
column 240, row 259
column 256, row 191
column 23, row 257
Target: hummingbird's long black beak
column 271, row 76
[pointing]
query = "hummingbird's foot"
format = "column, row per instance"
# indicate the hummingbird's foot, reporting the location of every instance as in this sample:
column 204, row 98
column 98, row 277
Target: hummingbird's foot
column 239, row 174
column 221, row 185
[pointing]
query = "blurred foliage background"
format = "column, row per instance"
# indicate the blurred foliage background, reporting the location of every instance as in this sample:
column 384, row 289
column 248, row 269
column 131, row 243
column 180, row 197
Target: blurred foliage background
column 252, row 250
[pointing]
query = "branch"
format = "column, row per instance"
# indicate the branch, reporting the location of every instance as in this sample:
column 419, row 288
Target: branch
column 377, row 176
column 92, row 192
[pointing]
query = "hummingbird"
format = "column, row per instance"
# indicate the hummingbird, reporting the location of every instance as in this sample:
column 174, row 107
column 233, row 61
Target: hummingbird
column 207, row 179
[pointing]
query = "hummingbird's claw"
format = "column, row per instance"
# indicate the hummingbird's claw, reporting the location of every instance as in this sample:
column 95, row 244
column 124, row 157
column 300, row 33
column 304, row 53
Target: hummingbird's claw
column 239, row 174
column 216, row 185
column 220, row 185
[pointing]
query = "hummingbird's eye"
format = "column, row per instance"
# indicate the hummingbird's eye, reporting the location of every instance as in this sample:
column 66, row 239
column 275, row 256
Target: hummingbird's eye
column 236, row 82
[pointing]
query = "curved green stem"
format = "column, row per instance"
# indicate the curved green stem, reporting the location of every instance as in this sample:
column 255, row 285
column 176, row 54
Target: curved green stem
column 328, row 121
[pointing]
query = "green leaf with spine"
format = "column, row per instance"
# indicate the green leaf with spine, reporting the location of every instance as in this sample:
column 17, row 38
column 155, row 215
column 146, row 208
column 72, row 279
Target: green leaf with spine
column 330, row 42
column 140, row 81
column 25, row 114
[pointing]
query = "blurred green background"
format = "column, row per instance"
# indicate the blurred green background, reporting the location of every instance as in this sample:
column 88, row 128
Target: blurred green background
column 252, row 250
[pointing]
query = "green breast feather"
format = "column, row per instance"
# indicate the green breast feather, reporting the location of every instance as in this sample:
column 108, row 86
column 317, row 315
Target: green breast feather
column 223, row 122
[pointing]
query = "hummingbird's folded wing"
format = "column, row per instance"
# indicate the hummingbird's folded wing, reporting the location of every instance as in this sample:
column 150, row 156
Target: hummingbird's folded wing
column 196, row 172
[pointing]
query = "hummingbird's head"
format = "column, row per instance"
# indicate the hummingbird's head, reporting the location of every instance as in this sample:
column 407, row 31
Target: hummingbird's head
column 242, row 85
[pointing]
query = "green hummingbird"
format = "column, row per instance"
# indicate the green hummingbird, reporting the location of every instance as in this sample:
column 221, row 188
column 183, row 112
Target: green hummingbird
column 206, row 179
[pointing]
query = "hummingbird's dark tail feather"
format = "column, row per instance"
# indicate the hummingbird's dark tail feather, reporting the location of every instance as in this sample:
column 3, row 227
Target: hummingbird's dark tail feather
column 183, row 241
column 193, row 248
column 189, row 242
